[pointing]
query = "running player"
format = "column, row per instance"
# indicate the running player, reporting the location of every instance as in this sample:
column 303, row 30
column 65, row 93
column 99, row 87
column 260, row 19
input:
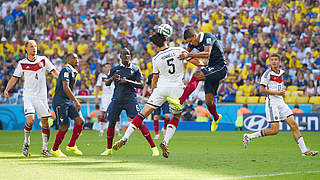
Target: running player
column 34, row 68
column 156, row 114
column 276, row 110
column 66, row 106
column 215, row 71
column 167, row 81
column 127, row 77
column 107, row 92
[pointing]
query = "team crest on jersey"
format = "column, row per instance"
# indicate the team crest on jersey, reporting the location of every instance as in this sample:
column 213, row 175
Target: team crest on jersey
column 41, row 63
column 208, row 40
column 66, row 74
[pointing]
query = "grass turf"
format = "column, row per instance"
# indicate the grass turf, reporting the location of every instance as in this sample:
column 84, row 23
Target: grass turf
column 194, row 155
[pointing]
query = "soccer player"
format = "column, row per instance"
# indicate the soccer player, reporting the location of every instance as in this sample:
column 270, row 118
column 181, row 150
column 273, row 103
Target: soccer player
column 276, row 110
column 66, row 106
column 126, row 77
column 156, row 114
column 34, row 68
column 168, row 73
column 215, row 71
column 107, row 92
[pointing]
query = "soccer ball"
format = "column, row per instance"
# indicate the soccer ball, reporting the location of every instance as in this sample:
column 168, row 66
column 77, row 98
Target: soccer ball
column 165, row 29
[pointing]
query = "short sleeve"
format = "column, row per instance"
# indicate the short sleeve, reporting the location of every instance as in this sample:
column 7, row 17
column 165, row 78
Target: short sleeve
column 49, row 65
column 138, row 75
column 18, row 71
column 265, row 78
column 149, row 80
column 99, row 81
column 112, row 70
column 155, row 68
column 65, row 74
column 209, row 40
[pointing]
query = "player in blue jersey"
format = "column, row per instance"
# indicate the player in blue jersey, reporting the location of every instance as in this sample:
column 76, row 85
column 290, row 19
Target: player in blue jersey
column 156, row 113
column 127, row 77
column 216, row 70
column 67, row 106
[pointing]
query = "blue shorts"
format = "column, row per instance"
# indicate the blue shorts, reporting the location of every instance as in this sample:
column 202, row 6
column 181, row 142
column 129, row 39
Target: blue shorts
column 165, row 108
column 115, row 108
column 64, row 112
column 213, row 77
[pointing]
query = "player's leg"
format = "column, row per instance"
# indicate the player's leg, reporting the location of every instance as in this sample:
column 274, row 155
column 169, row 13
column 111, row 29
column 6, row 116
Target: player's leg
column 167, row 116
column 156, row 118
column 102, row 122
column 118, row 127
column 29, row 112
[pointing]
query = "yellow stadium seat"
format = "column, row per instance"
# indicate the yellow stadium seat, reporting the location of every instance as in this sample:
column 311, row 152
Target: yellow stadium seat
column 292, row 88
column 239, row 93
column 297, row 93
column 290, row 99
column 253, row 99
column 241, row 99
column 302, row 99
column 314, row 100
column 262, row 99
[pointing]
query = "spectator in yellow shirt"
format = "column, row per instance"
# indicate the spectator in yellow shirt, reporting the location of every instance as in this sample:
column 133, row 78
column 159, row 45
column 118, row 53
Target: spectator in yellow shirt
column 82, row 47
column 207, row 27
column 294, row 63
column 70, row 46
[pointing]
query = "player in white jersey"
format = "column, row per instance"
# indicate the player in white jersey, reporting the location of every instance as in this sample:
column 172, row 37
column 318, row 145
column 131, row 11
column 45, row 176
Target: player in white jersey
column 34, row 68
column 167, row 81
column 276, row 109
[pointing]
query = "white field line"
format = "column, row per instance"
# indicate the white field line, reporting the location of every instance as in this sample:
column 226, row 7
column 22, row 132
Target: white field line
column 270, row 175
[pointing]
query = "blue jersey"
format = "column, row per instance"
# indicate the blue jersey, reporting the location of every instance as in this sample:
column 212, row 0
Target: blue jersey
column 149, row 80
column 125, row 92
column 68, row 73
column 216, row 57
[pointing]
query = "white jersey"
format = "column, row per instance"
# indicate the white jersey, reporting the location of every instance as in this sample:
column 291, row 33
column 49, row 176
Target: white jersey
column 169, row 67
column 273, row 82
column 34, row 76
column 106, row 90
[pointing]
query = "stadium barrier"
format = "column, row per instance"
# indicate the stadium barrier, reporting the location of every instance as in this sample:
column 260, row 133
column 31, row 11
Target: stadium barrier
column 12, row 117
column 305, row 121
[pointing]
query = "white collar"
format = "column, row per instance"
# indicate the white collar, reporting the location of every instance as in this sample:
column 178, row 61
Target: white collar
column 130, row 66
column 72, row 68
column 201, row 37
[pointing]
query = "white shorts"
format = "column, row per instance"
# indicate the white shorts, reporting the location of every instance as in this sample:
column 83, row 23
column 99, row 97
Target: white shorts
column 276, row 112
column 159, row 95
column 33, row 104
column 105, row 101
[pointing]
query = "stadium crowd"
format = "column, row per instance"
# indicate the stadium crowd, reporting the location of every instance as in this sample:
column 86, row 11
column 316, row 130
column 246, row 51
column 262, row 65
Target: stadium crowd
column 249, row 32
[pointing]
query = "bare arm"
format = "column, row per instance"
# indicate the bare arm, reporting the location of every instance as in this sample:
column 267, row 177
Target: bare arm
column 263, row 90
column 69, row 93
column 55, row 73
column 10, row 84
column 115, row 77
column 197, row 62
column 154, row 82
column 98, row 88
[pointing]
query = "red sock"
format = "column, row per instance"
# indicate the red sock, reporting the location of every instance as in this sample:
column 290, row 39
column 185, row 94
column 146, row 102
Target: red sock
column 192, row 85
column 213, row 111
column 46, row 130
column 59, row 138
column 76, row 133
column 166, row 121
column 156, row 126
column 110, row 135
column 137, row 121
column 145, row 132
column 27, row 128
column 174, row 121
column 118, row 119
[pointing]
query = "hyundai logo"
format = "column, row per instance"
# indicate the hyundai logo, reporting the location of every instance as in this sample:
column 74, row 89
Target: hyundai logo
column 255, row 122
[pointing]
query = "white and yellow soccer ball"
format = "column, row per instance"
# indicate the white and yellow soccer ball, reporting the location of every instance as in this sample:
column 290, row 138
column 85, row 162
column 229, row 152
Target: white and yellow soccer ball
column 165, row 29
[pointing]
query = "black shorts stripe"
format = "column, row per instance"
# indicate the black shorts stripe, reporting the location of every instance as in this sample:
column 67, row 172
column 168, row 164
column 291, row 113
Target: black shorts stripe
column 153, row 105
column 28, row 114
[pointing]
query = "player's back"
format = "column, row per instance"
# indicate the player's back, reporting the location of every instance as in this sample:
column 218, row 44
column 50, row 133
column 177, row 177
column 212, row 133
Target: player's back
column 169, row 67
column 68, row 73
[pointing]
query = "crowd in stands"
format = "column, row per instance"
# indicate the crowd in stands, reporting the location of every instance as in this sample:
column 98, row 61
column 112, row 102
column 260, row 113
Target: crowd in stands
column 249, row 32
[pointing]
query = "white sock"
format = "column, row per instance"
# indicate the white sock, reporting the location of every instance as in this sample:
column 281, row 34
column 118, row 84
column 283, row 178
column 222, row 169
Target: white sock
column 117, row 127
column 131, row 128
column 302, row 145
column 27, row 136
column 171, row 129
column 45, row 140
column 256, row 134
column 102, row 125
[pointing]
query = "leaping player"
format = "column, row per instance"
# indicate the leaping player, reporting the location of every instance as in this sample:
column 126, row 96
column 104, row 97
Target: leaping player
column 34, row 68
column 276, row 109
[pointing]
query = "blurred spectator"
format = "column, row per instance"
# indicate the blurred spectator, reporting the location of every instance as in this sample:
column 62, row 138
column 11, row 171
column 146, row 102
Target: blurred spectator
column 311, row 89
column 229, row 93
column 83, row 91
column 300, row 81
column 188, row 113
column 202, row 113
column 287, row 79
column 240, row 113
column 296, row 110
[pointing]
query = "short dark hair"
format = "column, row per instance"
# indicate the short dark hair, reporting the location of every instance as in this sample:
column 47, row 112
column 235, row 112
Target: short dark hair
column 69, row 55
column 97, row 106
column 275, row 55
column 296, row 106
column 158, row 39
column 188, row 33
column 245, row 105
column 200, row 102
column 107, row 63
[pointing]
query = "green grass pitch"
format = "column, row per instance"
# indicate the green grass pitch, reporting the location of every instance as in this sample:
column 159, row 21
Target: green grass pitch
column 194, row 155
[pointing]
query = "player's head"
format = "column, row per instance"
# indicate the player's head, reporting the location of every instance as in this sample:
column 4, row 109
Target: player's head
column 275, row 60
column 31, row 47
column 159, row 40
column 72, row 59
column 191, row 37
column 125, row 56
column 107, row 67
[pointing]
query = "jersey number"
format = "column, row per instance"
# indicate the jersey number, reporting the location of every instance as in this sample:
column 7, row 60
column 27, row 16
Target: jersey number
column 36, row 77
column 172, row 70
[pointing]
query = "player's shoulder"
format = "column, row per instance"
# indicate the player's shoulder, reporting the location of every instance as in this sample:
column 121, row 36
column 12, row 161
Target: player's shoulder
column 135, row 67
column 267, row 73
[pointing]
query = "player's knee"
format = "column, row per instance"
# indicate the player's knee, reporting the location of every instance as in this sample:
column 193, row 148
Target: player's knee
column 64, row 128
